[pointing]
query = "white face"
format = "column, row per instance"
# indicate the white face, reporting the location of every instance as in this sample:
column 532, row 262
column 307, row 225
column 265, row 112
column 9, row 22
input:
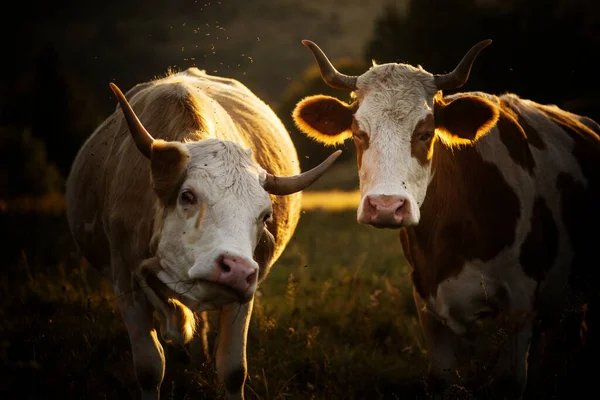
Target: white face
column 210, row 232
column 392, row 131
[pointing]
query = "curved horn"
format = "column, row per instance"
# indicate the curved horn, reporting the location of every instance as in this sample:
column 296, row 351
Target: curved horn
column 460, row 75
column 330, row 75
column 143, row 140
column 284, row 185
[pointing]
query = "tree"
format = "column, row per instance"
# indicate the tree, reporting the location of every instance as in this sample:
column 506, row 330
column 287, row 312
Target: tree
column 24, row 167
column 63, row 110
column 540, row 49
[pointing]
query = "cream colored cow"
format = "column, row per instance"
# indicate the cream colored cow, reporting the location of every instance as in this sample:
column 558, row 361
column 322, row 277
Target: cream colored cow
column 176, row 206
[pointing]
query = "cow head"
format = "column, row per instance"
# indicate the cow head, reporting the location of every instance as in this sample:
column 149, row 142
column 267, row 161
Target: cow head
column 212, row 210
column 397, row 115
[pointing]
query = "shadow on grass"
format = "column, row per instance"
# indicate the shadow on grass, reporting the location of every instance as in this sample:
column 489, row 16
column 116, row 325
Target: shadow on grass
column 334, row 320
column 325, row 324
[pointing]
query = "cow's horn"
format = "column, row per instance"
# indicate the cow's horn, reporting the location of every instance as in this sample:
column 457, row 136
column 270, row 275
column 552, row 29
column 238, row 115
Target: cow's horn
column 284, row 185
column 460, row 75
column 143, row 140
column 330, row 75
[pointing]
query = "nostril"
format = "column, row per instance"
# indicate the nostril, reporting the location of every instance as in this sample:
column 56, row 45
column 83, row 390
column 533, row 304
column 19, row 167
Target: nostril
column 371, row 205
column 224, row 267
column 400, row 207
column 400, row 204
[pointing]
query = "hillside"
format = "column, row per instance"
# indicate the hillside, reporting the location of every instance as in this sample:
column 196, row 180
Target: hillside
column 256, row 41
column 55, row 83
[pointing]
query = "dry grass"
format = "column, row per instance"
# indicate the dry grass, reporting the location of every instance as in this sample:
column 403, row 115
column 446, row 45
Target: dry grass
column 334, row 319
column 329, row 322
column 330, row 200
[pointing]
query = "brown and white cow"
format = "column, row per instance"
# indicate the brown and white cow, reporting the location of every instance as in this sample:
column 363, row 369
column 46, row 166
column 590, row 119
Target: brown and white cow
column 176, row 206
column 493, row 195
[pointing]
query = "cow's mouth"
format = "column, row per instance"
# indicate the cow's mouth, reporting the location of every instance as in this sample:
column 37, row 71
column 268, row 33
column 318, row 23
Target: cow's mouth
column 164, row 286
column 241, row 297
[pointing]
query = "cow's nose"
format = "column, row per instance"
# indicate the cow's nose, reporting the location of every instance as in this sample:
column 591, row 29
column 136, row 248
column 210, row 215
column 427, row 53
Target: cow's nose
column 236, row 272
column 384, row 210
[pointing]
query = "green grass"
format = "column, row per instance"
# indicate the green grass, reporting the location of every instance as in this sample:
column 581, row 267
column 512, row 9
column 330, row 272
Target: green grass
column 334, row 319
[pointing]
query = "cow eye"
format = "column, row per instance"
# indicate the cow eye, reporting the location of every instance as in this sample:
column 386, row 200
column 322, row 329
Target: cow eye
column 360, row 136
column 426, row 136
column 267, row 217
column 188, row 197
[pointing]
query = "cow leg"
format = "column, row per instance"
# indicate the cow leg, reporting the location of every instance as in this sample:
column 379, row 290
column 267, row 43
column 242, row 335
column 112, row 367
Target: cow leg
column 440, row 342
column 231, row 349
column 148, row 355
column 510, row 375
column 199, row 346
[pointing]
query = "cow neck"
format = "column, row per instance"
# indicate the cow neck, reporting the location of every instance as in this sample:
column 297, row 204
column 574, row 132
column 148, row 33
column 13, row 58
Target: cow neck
column 470, row 212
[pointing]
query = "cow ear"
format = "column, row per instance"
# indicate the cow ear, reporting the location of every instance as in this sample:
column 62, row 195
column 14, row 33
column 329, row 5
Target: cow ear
column 168, row 162
column 464, row 119
column 324, row 118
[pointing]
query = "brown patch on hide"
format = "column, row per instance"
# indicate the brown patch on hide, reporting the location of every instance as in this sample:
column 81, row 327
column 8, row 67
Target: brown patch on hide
column 361, row 141
column 201, row 213
column 532, row 134
column 470, row 212
column 539, row 250
column 420, row 148
column 405, row 242
column 573, row 197
column 514, row 139
column 580, row 211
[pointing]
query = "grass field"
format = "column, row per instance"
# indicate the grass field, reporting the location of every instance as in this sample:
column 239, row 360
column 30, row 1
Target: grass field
column 333, row 320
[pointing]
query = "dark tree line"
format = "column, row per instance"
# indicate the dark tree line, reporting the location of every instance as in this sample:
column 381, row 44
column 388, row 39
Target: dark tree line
column 57, row 62
column 53, row 80
column 541, row 49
